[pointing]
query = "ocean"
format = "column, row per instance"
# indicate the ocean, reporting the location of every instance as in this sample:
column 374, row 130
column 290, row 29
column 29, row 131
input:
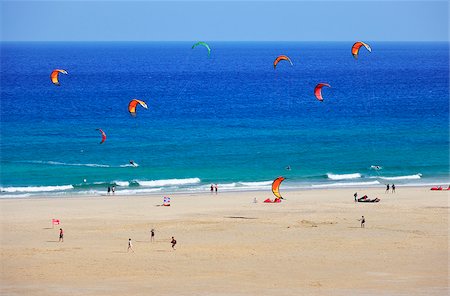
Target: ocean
column 228, row 118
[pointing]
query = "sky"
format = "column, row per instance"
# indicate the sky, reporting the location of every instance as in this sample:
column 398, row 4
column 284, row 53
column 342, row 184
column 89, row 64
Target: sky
column 78, row 20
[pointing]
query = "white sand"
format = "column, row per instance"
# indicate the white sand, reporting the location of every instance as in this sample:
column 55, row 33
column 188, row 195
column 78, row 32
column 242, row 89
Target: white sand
column 310, row 244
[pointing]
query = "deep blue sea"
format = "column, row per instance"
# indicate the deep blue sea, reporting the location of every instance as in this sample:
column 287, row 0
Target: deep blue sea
column 229, row 118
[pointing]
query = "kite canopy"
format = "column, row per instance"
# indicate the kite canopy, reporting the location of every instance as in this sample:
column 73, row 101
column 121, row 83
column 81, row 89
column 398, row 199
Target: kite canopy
column 103, row 135
column 357, row 46
column 318, row 90
column 276, row 187
column 54, row 76
column 204, row 44
column 133, row 104
column 281, row 58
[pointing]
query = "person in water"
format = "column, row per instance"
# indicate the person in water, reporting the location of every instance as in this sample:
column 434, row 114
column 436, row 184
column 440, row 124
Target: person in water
column 109, row 190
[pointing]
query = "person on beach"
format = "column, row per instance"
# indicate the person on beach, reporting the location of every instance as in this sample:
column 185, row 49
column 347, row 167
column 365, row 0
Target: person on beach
column 173, row 242
column 363, row 220
column 61, row 235
column 393, row 188
column 130, row 246
column 387, row 188
column 113, row 189
column 355, row 195
column 152, row 235
column 215, row 188
column 109, row 190
column 212, row 188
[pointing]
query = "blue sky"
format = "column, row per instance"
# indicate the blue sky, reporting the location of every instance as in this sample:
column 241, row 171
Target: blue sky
column 224, row 21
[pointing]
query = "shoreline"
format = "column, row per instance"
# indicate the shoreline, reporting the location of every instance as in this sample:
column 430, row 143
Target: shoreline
column 50, row 195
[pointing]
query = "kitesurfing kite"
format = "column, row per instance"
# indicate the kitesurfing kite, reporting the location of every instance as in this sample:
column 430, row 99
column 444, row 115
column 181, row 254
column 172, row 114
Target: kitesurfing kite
column 103, row 135
column 276, row 187
column 281, row 58
column 54, row 76
column 357, row 46
column 318, row 90
column 204, row 44
column 133, row 104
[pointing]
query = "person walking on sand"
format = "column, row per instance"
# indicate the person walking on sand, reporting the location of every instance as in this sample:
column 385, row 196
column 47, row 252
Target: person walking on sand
column 355, row 195
column 387, row 188
column 130, row 246
column 173, row 242
column 363, row 220
column 152, row 235
column 61, row 235
column 393, row 188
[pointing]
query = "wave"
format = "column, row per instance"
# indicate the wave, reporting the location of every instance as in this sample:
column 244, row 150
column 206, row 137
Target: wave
column 410, row 177
column 261, row 183
column 345, row 184
column 168, row 182
column 343, row 176
column 121, row 183
column 36, row 188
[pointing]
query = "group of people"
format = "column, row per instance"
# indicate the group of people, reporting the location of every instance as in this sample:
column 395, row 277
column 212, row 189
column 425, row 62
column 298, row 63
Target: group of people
column 152, row 239
column 392, row 187
column 214, row 187
column 111, row 189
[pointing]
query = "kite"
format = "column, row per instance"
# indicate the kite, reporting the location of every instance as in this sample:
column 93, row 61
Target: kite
column 103, row 135
column 357, row 46
column 318, row 90
column 281, row 58
column 276, row 187
column 133, row 104
column 54, row 76
column 204, row 44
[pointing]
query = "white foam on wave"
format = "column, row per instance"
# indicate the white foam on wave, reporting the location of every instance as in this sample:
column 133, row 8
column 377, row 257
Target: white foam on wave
column 345, row 184
column 136, row 191
column 410, row 177
column 168, row 182
column 256, row 184
column 343, row 176
column 36, row 188
column 122, row 183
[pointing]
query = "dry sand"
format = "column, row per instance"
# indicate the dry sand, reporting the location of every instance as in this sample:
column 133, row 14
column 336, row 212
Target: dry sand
column 310, row 244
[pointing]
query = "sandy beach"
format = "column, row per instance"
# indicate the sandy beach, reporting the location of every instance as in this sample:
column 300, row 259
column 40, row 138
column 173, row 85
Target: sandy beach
column 310, row 244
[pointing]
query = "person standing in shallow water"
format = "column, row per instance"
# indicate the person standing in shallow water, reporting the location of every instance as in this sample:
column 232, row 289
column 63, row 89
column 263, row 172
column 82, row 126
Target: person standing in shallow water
column 212, row 188
column 215, row 188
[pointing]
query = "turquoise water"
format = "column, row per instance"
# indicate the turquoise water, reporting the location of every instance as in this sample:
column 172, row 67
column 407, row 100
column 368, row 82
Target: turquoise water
column 229, row 119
